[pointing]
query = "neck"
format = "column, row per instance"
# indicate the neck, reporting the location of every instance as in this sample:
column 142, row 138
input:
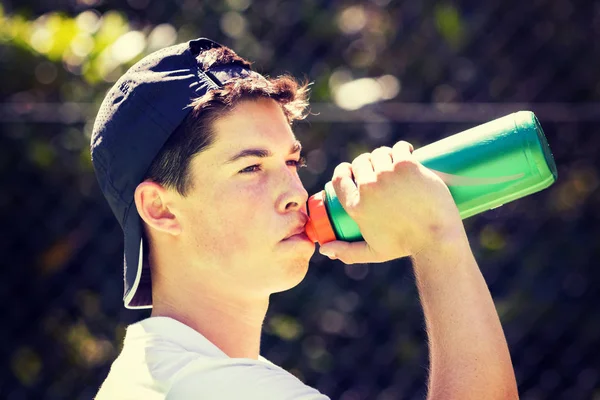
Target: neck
column 230, row 321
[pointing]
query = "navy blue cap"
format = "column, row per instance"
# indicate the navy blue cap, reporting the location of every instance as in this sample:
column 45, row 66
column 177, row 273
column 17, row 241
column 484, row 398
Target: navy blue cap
column 137, row 116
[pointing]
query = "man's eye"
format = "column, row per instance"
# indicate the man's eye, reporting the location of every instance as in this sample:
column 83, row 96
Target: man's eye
column 251, row 169
column 257, row 167
column 299, row 163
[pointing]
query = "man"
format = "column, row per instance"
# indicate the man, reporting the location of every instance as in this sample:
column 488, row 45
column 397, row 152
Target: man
column 194, row 153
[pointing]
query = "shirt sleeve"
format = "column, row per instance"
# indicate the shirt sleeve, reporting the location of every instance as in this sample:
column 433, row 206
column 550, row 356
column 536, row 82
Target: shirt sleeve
column 245, row 380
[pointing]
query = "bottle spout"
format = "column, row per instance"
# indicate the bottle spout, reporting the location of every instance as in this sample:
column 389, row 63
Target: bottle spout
column 310, row 231
column 318, row 228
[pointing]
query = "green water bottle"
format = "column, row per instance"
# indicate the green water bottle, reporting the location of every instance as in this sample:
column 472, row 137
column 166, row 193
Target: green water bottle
column 484, row 168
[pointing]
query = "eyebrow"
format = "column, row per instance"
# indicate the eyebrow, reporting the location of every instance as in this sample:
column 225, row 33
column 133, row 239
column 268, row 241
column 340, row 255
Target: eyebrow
column 261, row 153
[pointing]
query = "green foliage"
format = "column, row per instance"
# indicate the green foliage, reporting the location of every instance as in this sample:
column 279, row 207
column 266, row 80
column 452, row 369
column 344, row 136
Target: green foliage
column 450, row 24
column 97, row 47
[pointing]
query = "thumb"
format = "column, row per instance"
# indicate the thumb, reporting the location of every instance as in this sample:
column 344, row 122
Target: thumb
column 350, row 252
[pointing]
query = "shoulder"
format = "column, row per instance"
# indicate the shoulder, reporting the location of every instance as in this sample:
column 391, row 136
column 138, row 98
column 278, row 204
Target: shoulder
column 239, row 378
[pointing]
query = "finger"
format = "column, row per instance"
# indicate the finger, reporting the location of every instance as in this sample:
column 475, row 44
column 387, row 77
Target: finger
column 381, row 158
column 402, row 151
column 350, row 252
column 344, row 185
column 362, row 169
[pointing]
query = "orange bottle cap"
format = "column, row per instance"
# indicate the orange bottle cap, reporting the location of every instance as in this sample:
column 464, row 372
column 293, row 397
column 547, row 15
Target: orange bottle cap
column 318, row 228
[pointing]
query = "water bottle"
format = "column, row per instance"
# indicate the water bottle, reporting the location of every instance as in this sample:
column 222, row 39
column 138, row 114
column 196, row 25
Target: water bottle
column 484, row 168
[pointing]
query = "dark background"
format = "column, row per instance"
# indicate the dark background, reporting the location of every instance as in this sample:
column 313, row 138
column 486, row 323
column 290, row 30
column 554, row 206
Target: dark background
column 353, row 332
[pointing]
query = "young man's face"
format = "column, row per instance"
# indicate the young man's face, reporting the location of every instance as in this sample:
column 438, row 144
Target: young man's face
column 240, row 210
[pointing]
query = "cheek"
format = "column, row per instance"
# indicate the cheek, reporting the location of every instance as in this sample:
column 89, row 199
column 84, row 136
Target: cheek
column 239, row 219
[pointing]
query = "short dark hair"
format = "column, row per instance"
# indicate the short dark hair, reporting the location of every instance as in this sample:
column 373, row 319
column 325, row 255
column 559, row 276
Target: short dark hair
column 171, row 167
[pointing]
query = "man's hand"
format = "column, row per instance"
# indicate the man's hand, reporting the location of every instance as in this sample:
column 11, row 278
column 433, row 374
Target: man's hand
column 403, row 209
column 400, row 206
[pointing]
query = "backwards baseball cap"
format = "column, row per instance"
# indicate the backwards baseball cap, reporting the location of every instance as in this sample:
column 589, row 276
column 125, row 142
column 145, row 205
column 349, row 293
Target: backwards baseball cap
column 137, row 116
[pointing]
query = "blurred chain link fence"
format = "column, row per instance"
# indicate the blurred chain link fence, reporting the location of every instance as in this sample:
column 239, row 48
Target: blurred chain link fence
column 382, row 71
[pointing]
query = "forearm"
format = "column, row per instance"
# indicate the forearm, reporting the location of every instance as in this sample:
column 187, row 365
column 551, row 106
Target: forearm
column 469, row 357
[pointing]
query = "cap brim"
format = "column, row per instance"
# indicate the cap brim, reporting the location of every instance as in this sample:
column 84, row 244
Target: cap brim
column 138, row 285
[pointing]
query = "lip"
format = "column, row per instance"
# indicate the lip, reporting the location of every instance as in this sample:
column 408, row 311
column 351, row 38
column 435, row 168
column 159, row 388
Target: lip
column 298, row 228
column 295, row 232
column 302, row 236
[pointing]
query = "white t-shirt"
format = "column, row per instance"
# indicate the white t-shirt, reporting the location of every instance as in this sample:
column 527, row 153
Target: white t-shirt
column 167, row 360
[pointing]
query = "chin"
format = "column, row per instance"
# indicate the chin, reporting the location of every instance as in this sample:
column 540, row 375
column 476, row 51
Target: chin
column 295, row 271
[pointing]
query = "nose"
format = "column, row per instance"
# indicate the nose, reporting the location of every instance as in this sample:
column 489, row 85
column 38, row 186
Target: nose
column 293, row 196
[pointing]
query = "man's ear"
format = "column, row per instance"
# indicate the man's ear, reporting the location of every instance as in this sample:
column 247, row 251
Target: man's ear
column 152, row 201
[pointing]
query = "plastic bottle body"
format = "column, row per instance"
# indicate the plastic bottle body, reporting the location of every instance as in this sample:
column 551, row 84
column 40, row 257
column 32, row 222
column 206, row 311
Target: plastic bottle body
column 483, row 167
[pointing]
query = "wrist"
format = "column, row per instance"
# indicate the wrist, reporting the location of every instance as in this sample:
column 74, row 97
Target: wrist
column 442, row 241
column 444, row 265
